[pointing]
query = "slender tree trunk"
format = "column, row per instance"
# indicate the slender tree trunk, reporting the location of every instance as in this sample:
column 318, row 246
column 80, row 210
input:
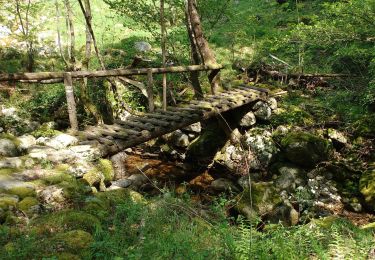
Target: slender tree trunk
column 163, row 50
column 203, row 47
column 88, row 18
column 194, row 75
column 58, row 32
column 69, row 18
column 72, row 110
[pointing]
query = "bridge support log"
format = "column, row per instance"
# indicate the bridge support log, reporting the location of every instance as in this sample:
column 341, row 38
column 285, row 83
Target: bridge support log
column 150, row 91
column 72, row 108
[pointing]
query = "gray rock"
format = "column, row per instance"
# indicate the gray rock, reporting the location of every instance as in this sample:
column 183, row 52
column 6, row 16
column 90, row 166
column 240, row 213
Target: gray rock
column 13, row 162
column 180, row 139
column 124, row 183
column 26, row 141
column 53, row 197
column 248, row 120
column 79, row 168
column 262, row 111
column 137, row 180
column 284, row 213
column 289, row 176
column 222, row 185
column 305, row 149
column 142, row 46
column 272, row 103
column 282, row 129
column 194, row 128
column 42, row 140
column 62, row 141
column 11, row 112
column 337, row 137
column 8, row 148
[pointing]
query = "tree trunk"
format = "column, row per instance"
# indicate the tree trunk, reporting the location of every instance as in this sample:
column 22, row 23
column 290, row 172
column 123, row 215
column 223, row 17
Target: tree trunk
column 194, row 75
column 69, row 18
column 163, row 50
column 72, row 110
column 203, row 47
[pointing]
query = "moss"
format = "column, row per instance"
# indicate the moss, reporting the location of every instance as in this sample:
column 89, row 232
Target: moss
column 305, row 149
column 7, row 201
column 7, row 171
column 74, row 240
column 27, row 203
column 65, row 221
column 22, row 191
column 67, row 256
column 10, row 137
column 264, row 198
column 365, row 126
column 75, row 188
column 94, row 177
column 45, row 131
column 57, row 177
column 367, row 188
column 105, row 166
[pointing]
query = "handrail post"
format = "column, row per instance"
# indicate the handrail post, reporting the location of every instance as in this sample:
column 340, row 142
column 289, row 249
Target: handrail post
column 150, row 92
column 72, row 108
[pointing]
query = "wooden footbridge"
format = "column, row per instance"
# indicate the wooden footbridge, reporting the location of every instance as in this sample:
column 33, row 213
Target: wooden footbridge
column 138, row 129
column 111, row 139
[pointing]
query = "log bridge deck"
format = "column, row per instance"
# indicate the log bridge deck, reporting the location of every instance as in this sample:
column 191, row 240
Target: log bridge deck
column 111, row 139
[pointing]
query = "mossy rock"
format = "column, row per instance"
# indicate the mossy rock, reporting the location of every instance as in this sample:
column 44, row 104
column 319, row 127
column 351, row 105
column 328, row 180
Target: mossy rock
column 7, row 201
column 367, row 188
column 7, row 171
column 105, row 166
column 365, row 126
column 75, row 188
column 305, row 149
column 204, row 148
column 27, row 203
column 57, row 177
column 74, row 241
column 94, row 178
column 67, row 256
column 66, row 221
column 22, row 191
column 264, row 198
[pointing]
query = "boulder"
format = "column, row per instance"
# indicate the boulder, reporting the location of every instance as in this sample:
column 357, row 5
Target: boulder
column 142, row 46
column 62, row 141
column 262, row 200
column 338, row 139
column 7, row 201
column 8, row 148
column 272, row 103
column 12, row 162
column 289, row 176
column 179, row 139
column 222, row 185
column 262, row 111
column 305, row 149
column 53, row 197
column 261, row 146
column 248, row 120
column 285, row 214
column 26, row 141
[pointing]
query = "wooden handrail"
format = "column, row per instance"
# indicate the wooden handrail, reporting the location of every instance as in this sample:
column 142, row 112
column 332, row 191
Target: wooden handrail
column 56, row 76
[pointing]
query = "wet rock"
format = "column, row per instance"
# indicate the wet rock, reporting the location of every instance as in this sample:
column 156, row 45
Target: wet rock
column 26, row 141
column 262, row 111
column 305, row 149
column 248, row 120
column 223, row 185
column 12, row 162
column 194, row 128
column 8, row 148
column 62, row 141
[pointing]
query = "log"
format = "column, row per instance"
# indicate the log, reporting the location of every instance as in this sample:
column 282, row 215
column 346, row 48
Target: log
column 39, row 76
column 150, row 91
